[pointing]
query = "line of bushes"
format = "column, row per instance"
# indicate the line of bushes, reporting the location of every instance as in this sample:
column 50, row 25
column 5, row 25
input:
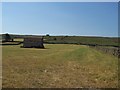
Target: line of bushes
column 60, row 42
column 11, row 43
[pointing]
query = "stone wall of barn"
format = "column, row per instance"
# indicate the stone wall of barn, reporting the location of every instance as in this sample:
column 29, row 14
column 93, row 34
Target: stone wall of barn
column 33, row 43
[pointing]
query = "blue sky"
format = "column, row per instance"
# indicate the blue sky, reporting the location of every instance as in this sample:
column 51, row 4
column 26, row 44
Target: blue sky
column 62, row 18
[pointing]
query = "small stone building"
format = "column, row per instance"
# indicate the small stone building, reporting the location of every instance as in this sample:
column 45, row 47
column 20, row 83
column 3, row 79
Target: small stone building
column 33, row 42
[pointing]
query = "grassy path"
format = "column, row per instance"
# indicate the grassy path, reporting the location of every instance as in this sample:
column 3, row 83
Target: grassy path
column 58, row 65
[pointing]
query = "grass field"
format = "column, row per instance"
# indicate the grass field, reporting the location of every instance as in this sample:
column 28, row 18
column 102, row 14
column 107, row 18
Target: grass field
column 59, row 65
column 83, row 40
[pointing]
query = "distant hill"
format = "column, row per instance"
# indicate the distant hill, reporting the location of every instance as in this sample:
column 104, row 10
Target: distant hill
column 73, row 39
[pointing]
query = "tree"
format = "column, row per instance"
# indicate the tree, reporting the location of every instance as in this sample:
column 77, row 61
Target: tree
column 47, row 35
column 7, row 37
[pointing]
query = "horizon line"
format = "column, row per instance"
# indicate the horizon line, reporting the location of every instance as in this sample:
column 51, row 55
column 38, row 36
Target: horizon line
column 60, row 35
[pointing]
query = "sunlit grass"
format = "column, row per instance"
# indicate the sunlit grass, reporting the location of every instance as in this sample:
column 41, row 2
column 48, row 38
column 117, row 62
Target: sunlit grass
column 58, row 65
column 18, row 39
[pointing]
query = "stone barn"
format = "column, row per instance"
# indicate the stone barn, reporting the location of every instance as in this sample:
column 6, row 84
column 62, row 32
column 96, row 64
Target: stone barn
column 33, row 42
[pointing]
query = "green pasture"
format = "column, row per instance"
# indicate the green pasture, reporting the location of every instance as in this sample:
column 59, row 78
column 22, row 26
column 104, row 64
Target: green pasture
column 58, row 65
column 82, row 40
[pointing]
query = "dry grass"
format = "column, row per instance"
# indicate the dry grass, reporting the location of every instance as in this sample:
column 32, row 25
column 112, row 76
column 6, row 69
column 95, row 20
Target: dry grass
column 19, row 39
column 58, row 66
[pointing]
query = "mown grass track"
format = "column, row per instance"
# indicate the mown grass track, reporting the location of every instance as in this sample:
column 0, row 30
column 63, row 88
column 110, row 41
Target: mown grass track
column 59, row 65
